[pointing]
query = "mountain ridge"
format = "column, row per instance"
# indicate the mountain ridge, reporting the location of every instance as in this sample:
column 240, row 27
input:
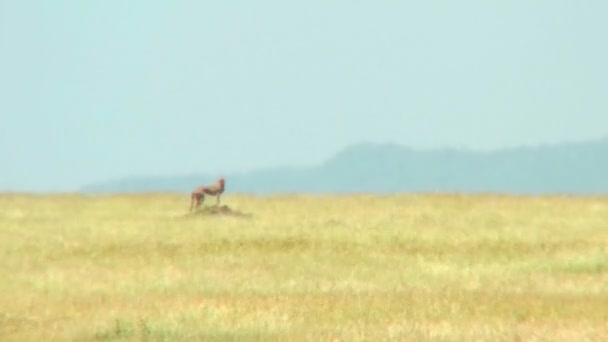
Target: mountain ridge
column 570, row 168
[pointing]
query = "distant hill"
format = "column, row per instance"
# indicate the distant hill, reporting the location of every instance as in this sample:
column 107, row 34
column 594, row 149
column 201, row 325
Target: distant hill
column 572, row 168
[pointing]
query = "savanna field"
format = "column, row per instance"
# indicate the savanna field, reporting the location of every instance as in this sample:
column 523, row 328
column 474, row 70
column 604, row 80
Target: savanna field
column 406, row 267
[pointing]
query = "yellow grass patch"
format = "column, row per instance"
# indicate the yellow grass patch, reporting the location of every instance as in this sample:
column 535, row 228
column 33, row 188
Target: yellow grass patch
column 359, row 267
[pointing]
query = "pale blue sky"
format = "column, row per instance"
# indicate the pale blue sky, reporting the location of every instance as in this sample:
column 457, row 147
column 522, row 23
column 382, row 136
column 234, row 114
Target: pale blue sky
column 96, row 90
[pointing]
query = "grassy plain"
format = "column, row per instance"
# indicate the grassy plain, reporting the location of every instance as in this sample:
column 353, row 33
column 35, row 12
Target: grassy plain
column 352, row 268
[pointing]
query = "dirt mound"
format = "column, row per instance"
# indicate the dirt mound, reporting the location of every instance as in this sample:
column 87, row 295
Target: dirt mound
column 222, row 210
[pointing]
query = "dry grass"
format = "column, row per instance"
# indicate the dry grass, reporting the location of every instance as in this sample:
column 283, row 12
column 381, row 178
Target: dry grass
column 361, row 267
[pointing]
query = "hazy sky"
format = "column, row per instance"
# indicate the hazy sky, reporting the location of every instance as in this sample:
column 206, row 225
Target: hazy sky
column 95, row 90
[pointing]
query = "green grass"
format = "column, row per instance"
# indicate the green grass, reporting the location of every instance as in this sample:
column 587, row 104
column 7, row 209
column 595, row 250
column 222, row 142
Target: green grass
column 352, row 268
